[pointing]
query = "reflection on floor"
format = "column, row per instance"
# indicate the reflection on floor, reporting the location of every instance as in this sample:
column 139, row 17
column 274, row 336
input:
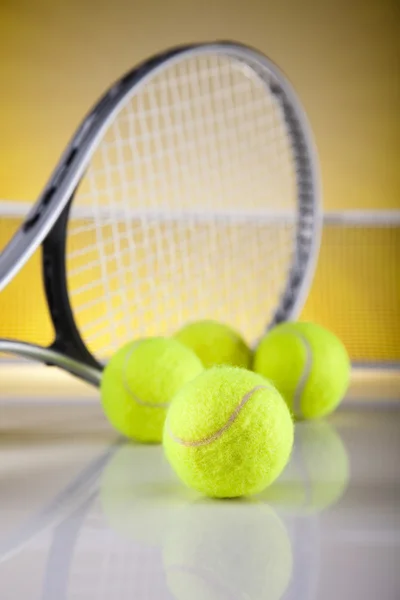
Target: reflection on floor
column 84, row 515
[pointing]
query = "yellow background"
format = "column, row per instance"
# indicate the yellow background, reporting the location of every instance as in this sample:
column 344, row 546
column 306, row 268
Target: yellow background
column 342, row 57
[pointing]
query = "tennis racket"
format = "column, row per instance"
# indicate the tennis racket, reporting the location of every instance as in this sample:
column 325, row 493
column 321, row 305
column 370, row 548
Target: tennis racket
column 190, row 191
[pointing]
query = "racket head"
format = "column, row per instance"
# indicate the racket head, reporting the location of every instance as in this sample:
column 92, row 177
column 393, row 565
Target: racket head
column 190, row 191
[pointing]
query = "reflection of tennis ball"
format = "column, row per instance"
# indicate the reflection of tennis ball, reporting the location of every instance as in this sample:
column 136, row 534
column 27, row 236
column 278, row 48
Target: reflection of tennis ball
column 215, row 344
column 308, row 364
column 317, row 474
column 228, row 433
column 305, row 539
column 139, row 382
column 139, row 493
column 236, row 549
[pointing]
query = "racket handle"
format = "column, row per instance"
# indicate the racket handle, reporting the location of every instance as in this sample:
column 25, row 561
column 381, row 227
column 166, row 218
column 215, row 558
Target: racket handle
column 51, row 357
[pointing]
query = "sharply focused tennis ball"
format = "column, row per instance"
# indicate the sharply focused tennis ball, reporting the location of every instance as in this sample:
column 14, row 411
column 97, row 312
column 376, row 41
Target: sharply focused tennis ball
column 215, row 344
column 317, row 474
column 139, row 493
column 228, row 433
column 308, row 364
column 140, row 381
column 232, row 550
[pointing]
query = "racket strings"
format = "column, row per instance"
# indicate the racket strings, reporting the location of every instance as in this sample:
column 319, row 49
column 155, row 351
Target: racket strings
column 188, row 209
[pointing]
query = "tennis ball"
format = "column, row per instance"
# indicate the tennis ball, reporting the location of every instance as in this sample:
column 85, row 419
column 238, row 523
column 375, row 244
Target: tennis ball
column 139, row 382
column 309, row 366
column 237, row 549
column 215, row 344
column 228, row 433
column 317, row 474
column 139, row 493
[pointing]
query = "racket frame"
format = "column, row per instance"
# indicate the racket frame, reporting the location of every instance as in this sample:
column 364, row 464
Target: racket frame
column 46, row 223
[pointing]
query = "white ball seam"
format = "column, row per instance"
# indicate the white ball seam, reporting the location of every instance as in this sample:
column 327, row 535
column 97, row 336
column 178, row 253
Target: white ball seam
column 217, row 434
column 304, row 376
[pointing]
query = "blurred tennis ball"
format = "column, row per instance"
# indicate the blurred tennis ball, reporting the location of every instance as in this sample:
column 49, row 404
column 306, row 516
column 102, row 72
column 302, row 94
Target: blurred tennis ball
column 139, row 493
column 215, row 343
column 308, row 364
column 235, row 549
column 228, row 433
column 140, row 381
column 317, row 474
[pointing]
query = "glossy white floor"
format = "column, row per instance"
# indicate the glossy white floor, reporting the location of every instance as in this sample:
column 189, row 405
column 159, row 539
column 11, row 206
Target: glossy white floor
column 86, row 516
